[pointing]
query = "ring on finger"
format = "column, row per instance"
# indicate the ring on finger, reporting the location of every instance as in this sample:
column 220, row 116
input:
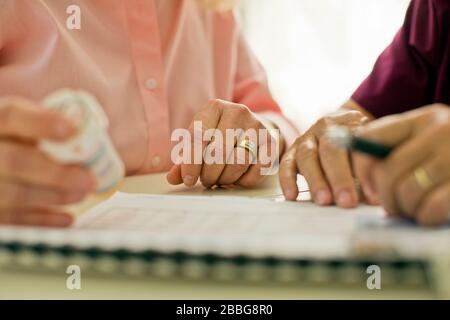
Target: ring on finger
column 423, row 179
column 250, row 146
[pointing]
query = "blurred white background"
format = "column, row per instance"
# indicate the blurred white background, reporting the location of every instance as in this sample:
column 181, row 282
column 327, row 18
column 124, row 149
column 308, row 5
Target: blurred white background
column 317, row 52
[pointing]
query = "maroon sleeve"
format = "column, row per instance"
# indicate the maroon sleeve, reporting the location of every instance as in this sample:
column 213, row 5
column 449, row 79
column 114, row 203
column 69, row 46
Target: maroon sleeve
column 405, row 75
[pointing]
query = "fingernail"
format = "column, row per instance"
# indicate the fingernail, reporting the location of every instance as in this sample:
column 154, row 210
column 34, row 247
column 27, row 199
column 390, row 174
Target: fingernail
column 291, row 194
column 344, row 199
column 188, row 180
column 321, row 198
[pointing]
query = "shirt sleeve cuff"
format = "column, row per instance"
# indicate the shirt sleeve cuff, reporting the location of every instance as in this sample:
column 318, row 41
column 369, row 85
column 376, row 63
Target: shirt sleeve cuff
column 287, row 129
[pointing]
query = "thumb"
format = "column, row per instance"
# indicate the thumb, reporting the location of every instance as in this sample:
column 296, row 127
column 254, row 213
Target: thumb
column 396, row 129
column 391, row 130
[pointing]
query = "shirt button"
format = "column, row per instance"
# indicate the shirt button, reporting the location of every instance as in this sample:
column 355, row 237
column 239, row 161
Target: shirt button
column 156, row 161
column 151, row 84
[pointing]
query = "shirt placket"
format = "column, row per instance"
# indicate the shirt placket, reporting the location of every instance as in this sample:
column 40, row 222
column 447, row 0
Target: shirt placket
column 146, row 52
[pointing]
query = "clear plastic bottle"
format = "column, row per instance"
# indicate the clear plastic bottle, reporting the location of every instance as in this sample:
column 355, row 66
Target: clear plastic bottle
column 92, row 146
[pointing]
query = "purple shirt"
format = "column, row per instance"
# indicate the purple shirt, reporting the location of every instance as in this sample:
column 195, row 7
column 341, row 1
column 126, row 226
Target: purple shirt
column 414, row 70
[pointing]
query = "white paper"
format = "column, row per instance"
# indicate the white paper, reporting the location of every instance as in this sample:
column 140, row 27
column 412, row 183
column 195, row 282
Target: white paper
column 230, row 226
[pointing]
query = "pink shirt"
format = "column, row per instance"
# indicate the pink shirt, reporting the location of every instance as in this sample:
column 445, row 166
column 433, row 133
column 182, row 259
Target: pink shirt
column 151, row 63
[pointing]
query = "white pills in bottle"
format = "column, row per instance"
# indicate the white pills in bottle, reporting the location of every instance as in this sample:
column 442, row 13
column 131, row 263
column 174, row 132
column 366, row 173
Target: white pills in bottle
column 91, row 146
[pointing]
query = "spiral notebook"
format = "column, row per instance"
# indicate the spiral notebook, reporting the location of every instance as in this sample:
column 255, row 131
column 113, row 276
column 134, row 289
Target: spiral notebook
column 225, row 237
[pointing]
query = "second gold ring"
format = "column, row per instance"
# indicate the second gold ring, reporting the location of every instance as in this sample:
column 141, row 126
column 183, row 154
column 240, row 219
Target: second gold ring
column 251, row 147
column 423, row 179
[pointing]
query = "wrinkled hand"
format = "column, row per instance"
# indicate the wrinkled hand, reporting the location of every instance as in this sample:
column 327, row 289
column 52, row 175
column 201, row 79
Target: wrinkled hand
column 326, row 167
column 414, row 181
column 31, row 183
column 236, row 166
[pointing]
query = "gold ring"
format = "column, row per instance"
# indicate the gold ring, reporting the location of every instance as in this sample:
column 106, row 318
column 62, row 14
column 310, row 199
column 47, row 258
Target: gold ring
column 423, row 179
column 250, row 146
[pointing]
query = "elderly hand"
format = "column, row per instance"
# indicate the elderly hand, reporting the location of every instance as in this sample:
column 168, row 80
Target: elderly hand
column 414, row 181
column 31, row 183
column 240, row 159
column 326, row 167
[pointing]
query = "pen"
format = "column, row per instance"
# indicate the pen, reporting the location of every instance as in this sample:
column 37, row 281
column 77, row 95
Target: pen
column 342, row 137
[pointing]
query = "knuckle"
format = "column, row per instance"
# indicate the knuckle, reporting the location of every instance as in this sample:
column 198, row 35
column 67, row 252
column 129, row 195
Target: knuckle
column 242, row 109
column 353, row 114
column 287, row 161
column 306, row 151
column 321, row 124
column 239, row 111
column 212, row 109
column 439, row 108
column 254, row 125
column 355, row 118
column 436, row 113
column 215, row 103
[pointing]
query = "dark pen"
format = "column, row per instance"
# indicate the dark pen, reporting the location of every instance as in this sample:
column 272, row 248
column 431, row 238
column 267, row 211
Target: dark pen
column 343, row 137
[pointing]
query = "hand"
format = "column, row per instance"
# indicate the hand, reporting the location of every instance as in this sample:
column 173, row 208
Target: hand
column 235, row 165
column 31, row 183
column 326, row 167
column 414, row 181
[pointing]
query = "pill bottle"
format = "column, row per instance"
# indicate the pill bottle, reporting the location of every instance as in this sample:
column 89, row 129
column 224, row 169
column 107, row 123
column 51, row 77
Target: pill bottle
column 91, row 147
